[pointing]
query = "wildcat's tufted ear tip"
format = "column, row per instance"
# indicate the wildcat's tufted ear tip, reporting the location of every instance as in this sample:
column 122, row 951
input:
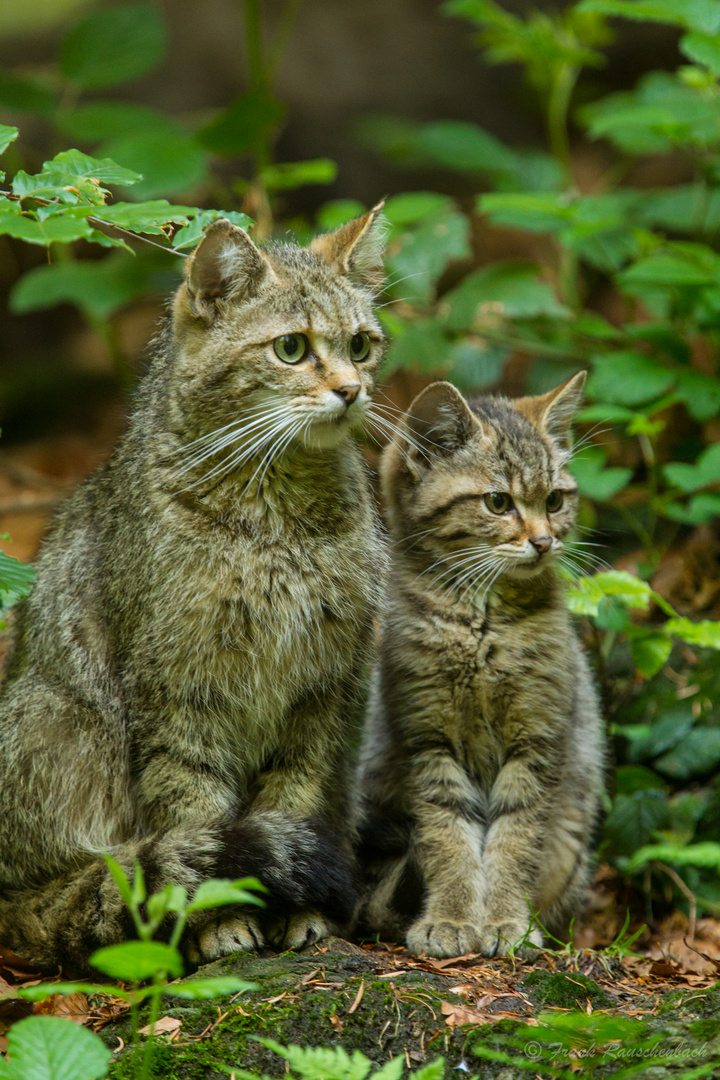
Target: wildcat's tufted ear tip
column 553, row 412
column 226, row 263
column 357, row 248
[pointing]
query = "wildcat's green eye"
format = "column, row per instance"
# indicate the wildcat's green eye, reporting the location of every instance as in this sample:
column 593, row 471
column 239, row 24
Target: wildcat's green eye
column 291, row 347
column 359, row 346
column 498, row 502
column 554, row 501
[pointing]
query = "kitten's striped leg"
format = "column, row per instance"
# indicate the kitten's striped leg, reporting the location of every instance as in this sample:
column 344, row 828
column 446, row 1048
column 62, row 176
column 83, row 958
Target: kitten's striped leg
column 447, row 851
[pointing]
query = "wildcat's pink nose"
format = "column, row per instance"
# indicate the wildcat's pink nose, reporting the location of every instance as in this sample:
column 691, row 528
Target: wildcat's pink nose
column 348, row 392
column 541, row 543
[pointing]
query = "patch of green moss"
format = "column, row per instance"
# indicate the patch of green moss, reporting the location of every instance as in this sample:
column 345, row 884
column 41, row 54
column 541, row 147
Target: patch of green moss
column 567, row 991
column 705, row 1029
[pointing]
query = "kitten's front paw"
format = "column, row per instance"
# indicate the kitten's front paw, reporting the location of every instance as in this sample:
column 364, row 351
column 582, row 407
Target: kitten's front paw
column 511, row 935
column 298, row 931
column 222, row 937
column 442, row 937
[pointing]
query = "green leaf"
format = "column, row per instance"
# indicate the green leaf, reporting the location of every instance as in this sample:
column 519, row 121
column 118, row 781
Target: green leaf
column 700, row 509
column 120, row 878
column 705, row 471
column 632, row 778
column 50, row 231
column 113, row 45
column 509, row 289
column 98, row 288
column 476, row 366
column 108, row 119
column 634, row 818
column 650, row 650
column 705, row 633
column 534, row 211
column 217, row 891
column 42, row 991
column 463, row 146
column 16, row 579
column 423, row 347
column 323, row 1063
column 419, row 256
column 170, row 160
column 29, row 93
column 7, row 135
column 628, row 378
column 414, row 206
column 700, row 392
column 134, row 961
column 702, row 49
column 74, row 177
column 706, row 853
column 594, row 479
column 287, row 175
column 434, row 1070
column 696, row 14
column 200, row 989
column 244, row 126
column 49, row 1048
column 585, row 595
column 337, row 212
column 668, row 731
column 145, row 217
column 697, row 755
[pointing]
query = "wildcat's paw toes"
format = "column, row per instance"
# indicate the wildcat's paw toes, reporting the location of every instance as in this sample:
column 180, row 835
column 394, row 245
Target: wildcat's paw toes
column 437, row 937
column 501, row 937
column 222, row 937
column 298, row 931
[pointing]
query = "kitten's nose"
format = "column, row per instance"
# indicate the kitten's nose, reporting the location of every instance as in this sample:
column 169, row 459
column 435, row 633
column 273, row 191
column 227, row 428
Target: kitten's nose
column 541, row 543
column 348, row 392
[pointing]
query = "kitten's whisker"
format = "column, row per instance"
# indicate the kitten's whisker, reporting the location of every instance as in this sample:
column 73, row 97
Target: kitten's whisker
column 239, row 420
column 421, row 532
column 242, row 456
column 230, row 438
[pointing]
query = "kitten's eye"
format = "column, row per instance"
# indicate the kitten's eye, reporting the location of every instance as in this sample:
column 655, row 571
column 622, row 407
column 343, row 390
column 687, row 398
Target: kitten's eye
column 359, row 346
column 498, row 502
column 554, row 502
column 291, row 347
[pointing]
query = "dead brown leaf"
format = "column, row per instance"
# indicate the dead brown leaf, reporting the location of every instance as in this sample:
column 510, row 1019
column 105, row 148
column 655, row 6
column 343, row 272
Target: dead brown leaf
column 460, row 1014
column 70, row 1006
column 167, row 1025
column 336, row 1022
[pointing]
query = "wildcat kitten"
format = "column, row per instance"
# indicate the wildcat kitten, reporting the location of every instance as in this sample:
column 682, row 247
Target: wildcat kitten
column 191, row 665
column 482, row 760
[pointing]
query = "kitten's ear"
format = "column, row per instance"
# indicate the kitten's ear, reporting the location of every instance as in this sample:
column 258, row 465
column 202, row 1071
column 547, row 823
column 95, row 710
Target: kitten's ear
column 437, row 424
column 225, row 264
column 356, row 249
column 553, row 412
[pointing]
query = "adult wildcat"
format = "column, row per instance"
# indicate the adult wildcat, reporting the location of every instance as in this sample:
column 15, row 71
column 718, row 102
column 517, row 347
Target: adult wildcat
column 483, row 754
column 188, row 671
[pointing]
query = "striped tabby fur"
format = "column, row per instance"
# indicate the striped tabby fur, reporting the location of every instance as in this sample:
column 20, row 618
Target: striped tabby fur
column 190, row 668
column 482, row 760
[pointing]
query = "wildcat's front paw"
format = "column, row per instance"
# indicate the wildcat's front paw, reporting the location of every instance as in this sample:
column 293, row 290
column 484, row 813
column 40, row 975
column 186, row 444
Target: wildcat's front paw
column 500, row 937
column 298, row 931
column 224, row 936
column 442, row 937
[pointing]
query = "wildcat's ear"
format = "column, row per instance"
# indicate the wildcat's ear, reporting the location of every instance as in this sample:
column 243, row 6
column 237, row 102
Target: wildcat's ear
column 356, row 249
column 553, row 412
column 437, row 424
column 225, row 264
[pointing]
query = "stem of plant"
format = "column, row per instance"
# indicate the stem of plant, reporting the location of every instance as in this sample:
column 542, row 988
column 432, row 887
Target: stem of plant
column 159, row 981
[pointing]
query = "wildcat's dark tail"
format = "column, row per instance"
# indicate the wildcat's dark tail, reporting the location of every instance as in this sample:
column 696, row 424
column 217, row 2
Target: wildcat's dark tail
column 60, row 923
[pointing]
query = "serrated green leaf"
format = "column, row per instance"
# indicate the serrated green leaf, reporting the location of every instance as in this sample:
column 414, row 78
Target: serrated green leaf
column 202, row 989
column 422, row 347
column 49, row 1048
column 134, row 961
column 706, row 470
column 702, row 49
column 170, row 161
column 111, row 46
column 665, row 733
column 98, row 120
column 696, row 14
column 632, row 778
column 414, row 206
column 320, row 1062
column 585, row 595
column 146, row 217
column 596, row 481
column 465, row 147
column 700, row 392
column 51, row 231
column 434, row 1070
column 16, row 579
column 534, row 211
column 475, row 366
column 628, row 378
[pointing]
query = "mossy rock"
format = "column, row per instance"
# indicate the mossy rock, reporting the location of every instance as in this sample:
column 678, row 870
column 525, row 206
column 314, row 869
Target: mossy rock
column 567, row 991
column 705, row 1029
